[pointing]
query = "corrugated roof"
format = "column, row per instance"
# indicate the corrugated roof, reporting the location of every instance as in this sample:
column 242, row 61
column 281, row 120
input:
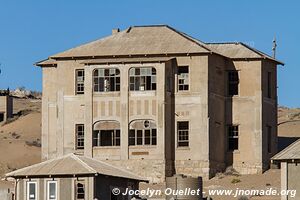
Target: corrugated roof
column 292, row 152
column 238, row 50
column 127, row 60
column 71, row 165
column 138, row 40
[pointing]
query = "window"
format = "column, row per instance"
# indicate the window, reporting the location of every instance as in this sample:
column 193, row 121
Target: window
column 106, row 80
column 51, row 190
column 79, row 190
column 141, row 79
column 183, row 134
column 269, row 85
column 269, row 132
column 142, row 137
column 183, row 78
column 107, row 137
column 233, row 83
column 79, row 136
column 80, row 81
column 233, row 137
column 31, row 190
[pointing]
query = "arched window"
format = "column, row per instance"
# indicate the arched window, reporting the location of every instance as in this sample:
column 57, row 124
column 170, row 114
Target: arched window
column 106, row 133
column 142, row 132
column 143, row 78
column 106, row 80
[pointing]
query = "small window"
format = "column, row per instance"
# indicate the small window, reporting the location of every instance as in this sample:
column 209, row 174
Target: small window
column 269, row 85
column 183, row 78
column 79, row 136
column 183, row 134
column 31, row 190
column 106, row 80
column 269, row 132
column 80, row 190
column 142, row 79
column 51, row 190
column 107, row 137
column 233, row 83
column 233, row 137
column 79, row 81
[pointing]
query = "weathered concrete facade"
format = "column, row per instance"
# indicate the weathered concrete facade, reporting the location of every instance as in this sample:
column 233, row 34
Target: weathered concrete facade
column 6, row 107
column 205, row 105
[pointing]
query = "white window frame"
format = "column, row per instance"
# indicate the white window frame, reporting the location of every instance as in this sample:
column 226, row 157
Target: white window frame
column 27, row 189
column 48, row 191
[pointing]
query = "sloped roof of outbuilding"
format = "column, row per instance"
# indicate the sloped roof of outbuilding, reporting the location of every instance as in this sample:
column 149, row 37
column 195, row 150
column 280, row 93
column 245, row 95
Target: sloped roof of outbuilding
column 72, row 165
column 292, row 152
column 138, row 40
column 238, row 50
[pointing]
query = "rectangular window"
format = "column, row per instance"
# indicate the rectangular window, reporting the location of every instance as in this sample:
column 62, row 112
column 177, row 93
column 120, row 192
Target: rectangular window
column 233, row 83
column 183, row 134
column 142, row 137
column 79, row 81
column 106, row 80
column 107, row 138
column 31, row 190
column 233, row 137
column 269, row 132
column 142, row 79
column 183, row 78
column 79, row 136
column 51, row 190
column 269, row 85
column 79, row 190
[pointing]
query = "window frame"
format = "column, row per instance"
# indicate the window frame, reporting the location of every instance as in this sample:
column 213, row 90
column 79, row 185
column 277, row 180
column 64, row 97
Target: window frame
column 135, row 85
column 233, row 137
column 76, row 182
column 48, row 189
column 231, row 84
column 77, row 138
column 28, row 190
column 186, row 86
column 181, row 142
column 77, row 91
column 115, row 138
column 107, row 77
column 141, row 140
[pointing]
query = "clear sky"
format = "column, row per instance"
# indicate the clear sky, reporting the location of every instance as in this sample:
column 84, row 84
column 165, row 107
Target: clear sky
column 33, row 30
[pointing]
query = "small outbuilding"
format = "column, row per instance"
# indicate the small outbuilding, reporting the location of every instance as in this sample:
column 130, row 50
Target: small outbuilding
column 6, row 106
column 73, row 177
column 289, row 160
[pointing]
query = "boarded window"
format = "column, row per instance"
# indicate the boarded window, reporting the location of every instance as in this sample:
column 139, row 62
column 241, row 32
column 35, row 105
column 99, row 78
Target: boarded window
column 183, row 78
column 183, row 134
column 106, row 80
column 233, row 137
column 79, row 136
column 31, row 190
column 141, row 79
column 79, row 81
column 233, row 83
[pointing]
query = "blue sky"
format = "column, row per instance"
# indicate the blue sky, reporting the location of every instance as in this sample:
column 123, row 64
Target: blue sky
column 32, row 30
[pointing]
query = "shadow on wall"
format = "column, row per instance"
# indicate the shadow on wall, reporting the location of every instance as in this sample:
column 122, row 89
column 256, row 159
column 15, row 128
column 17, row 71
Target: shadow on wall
column 284, row 142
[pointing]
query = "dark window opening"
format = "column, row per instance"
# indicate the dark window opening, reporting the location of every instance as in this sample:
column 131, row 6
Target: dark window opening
column 79, row 136
column 183, row 78
column 183, row 134
column 142, row 79
column 269, row 85
column 107, row 137
column 80, row 190
column 106, row 80
column 233, row 83
column 80, row 81
column 269, row 132
column 233, row 138
column 1, row 117
column 142, row 137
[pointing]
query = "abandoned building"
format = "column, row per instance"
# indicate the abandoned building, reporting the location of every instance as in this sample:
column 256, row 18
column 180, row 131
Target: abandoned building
column 289, row 160
column 157, row 102
column 6, row 106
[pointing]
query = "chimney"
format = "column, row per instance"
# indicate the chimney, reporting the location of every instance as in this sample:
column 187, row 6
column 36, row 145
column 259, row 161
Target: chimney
column 115, row 31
